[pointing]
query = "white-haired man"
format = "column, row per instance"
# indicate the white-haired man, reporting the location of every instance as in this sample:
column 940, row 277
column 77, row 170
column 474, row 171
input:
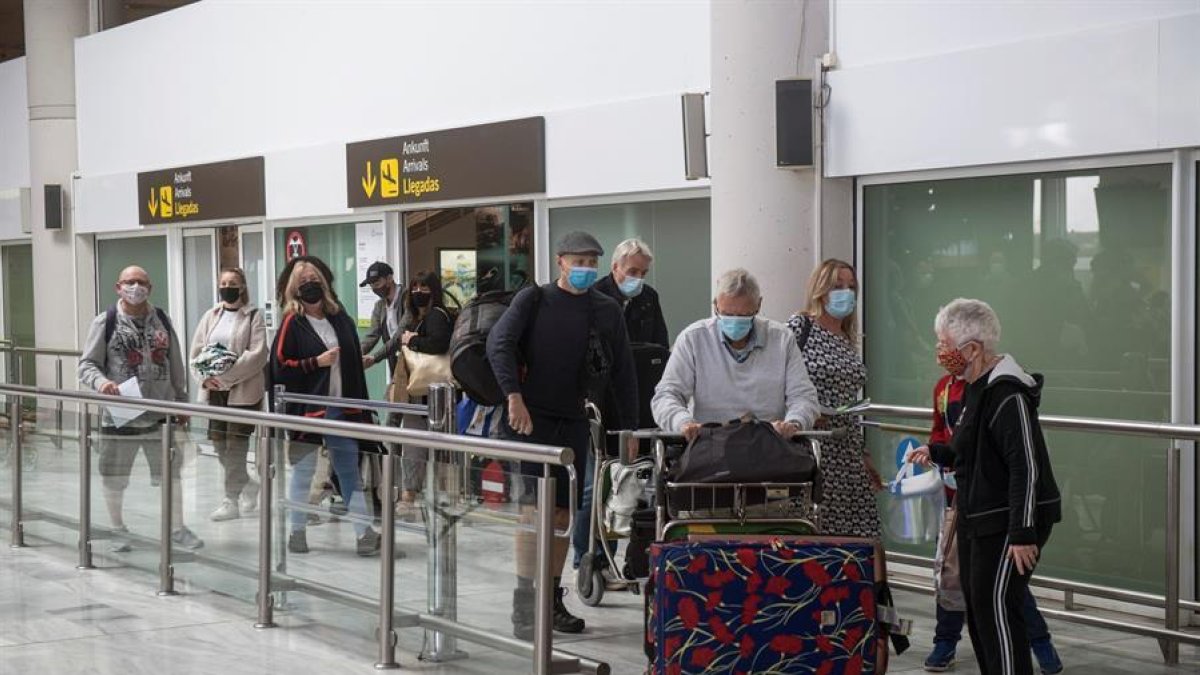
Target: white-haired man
column 735, row 363
column 626, row 284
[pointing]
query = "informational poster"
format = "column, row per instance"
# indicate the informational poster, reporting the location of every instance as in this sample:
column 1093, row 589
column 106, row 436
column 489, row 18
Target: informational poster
column 370, row 248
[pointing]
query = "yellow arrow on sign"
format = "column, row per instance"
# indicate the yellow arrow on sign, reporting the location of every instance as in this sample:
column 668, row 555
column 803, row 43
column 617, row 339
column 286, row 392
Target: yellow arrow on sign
column 369, row 182
column 153, row 203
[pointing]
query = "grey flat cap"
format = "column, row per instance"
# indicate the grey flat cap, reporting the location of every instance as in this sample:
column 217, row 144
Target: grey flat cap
column 579, row 243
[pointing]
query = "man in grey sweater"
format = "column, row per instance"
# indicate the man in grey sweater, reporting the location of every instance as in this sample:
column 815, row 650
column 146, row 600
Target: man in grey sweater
column 735, row 363
column 134, row 339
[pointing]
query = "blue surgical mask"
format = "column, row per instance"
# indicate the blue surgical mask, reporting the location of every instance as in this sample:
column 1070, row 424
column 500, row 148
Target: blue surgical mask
column 840, row 303
column 582, row 278
column 632, row 286
column 735, row 327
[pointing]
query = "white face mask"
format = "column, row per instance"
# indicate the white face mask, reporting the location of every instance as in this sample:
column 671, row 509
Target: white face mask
column 134, row 294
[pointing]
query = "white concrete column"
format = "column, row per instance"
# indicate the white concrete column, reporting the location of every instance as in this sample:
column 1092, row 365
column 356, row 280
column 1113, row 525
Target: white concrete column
column 762, row 216
column 51, row 27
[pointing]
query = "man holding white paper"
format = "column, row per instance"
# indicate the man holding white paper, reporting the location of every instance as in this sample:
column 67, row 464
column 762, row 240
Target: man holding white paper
column 132, row 351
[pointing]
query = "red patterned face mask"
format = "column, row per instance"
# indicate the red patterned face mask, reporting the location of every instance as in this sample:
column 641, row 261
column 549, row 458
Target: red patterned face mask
column 952, row 360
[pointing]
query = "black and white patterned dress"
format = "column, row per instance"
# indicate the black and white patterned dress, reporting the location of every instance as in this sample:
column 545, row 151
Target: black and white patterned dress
column 838, row 373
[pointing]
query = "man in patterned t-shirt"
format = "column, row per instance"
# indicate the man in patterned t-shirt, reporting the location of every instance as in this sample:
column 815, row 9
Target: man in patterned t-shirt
column 134, row 339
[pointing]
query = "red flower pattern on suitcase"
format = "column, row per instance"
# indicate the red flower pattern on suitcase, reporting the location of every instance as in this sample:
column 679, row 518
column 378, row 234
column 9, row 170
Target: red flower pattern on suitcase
column 730, row 607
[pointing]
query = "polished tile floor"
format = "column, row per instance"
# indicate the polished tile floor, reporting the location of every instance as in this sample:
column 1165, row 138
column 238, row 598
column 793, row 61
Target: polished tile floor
column 56, row 619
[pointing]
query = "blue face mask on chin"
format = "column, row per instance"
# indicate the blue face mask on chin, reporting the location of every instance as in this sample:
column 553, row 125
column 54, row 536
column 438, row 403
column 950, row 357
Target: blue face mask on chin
column 582, row 278
column 631, row 287
column 735, row 327
column 840, row 303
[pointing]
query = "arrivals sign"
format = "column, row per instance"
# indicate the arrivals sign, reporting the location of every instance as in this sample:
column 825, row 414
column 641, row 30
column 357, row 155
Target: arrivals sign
column 488, row 160
column 232, row 189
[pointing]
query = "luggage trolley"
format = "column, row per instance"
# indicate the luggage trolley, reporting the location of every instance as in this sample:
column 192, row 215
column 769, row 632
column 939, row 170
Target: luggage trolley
column 607, row 526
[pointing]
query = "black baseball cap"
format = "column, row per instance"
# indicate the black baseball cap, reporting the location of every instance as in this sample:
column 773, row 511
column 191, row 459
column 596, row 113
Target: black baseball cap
column 376, row 271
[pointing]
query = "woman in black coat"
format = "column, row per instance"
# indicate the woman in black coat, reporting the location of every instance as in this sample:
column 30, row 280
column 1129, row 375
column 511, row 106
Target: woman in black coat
column 427, row 329
column 316, row 353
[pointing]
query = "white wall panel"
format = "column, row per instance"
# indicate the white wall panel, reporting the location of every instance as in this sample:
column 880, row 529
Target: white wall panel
column 1127, row 88
column 106, row 203
column 880, row 31
column 630, row 146
column 220, row 79
column 306, row 182
column 14, row 125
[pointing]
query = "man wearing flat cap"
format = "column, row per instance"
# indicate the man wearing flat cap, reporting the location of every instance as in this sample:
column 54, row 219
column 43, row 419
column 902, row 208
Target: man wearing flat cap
column 571, row 341
column 386, row 317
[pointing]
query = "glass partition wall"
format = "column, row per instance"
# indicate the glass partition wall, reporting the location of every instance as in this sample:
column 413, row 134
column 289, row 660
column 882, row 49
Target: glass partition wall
column 1078, row 266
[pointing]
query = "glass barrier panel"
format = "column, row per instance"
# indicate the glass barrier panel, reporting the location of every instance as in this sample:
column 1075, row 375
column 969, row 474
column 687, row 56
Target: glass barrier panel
column 50, row 474
column 5, row 473
column 126, row 479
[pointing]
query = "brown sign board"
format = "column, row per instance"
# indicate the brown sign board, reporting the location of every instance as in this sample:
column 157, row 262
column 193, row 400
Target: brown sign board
column 488, row 160
column 232, row 189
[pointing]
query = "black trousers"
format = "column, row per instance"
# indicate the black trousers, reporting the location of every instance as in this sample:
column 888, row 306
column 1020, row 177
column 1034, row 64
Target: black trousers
column 995, row 594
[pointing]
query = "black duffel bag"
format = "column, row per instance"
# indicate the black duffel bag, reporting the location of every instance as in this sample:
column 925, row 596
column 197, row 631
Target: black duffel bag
column 742, row 451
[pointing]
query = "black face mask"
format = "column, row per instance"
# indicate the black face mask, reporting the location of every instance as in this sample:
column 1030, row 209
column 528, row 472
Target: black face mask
column 420, row 299
column 310, row 292
column 230, row 294
column 381, row 292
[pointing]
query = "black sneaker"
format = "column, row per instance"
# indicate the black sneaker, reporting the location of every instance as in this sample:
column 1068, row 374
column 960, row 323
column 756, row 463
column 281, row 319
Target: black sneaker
column 368, row 543
column 298, row 542
column 564, row 621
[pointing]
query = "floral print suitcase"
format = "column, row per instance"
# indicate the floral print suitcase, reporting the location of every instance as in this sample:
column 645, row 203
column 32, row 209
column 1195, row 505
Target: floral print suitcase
column 765, row 606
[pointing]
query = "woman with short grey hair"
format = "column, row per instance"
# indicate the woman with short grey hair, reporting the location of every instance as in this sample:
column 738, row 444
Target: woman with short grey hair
column 1007, row 498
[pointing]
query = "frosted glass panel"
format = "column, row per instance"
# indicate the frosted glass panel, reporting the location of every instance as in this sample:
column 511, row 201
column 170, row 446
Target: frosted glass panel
column 678, row 233
column 1078, row 267
column 149, row 253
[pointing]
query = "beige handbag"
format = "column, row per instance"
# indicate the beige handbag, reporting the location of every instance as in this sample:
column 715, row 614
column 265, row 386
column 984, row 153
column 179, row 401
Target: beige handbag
column 424, row 370
column 397, row 389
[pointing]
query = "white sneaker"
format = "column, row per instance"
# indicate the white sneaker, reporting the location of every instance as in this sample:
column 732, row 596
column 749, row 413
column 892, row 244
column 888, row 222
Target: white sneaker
column 248, row 501
column 119, row 543
column 228, row 510
column 184, row 537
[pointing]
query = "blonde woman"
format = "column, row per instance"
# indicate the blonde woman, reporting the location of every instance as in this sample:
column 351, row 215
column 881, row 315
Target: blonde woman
column 825, row 332
column 239, row 329
column 317, row 353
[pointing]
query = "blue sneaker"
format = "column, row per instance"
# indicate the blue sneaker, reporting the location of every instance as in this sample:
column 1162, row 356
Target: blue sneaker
column 1047, row 657
column 941, row 658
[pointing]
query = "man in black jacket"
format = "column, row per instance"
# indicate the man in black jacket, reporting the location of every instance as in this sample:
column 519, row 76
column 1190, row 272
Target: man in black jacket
column 627, row 285
column 1007, row 497
column 572, row 343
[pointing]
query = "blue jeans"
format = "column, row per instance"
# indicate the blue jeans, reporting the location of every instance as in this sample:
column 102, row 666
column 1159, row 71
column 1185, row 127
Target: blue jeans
column 950, row 623
column 343, row 457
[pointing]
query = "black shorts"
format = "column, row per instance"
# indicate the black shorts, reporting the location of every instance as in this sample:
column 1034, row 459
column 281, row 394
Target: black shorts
column 556, row 431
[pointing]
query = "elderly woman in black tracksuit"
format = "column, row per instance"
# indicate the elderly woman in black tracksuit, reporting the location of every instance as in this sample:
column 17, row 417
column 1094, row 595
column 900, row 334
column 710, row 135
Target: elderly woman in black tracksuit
column 317, row 353
column 1007, row 498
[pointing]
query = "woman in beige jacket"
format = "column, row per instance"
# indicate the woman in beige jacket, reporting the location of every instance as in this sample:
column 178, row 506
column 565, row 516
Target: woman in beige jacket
column 240, row 329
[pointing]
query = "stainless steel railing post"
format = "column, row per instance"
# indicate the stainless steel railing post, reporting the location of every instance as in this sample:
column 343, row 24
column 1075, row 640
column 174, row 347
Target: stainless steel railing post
column 441, row 407
column 544, row 598
column 1170, row 647
column 15, row 451
column 266, row 604
column 58, row 405
column 387, row 566
column 166, row 573
column 85, row 489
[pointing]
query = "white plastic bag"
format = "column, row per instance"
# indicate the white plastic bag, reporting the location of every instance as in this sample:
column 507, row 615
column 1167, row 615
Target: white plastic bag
column 626, row 488
column 912, row 506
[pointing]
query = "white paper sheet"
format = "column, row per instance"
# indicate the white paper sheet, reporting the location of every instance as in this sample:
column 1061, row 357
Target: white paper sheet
column 122, row 416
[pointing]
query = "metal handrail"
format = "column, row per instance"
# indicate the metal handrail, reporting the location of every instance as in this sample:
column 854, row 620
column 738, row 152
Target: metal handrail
column 499, row 449
column 1170, row 637
column 40, row 351
column 284, row 396
column 545, row 658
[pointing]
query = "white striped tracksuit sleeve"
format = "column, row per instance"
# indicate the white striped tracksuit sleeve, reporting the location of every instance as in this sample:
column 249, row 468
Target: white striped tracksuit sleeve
column 1012, row 431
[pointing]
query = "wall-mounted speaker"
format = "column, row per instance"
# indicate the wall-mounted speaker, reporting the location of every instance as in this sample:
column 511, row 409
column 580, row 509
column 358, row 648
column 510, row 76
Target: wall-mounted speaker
column 54, row 207
column 695, row 138
column 793, row 124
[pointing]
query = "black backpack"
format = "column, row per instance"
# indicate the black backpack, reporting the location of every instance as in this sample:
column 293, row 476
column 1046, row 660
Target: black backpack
column 468, row 344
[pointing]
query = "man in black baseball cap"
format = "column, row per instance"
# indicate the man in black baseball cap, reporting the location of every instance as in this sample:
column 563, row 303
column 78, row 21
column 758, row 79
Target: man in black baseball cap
column 386, row 317
column 581, row 349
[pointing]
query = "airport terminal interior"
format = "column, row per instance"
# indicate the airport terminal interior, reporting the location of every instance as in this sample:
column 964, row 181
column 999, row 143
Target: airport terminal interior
column 262, row 276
